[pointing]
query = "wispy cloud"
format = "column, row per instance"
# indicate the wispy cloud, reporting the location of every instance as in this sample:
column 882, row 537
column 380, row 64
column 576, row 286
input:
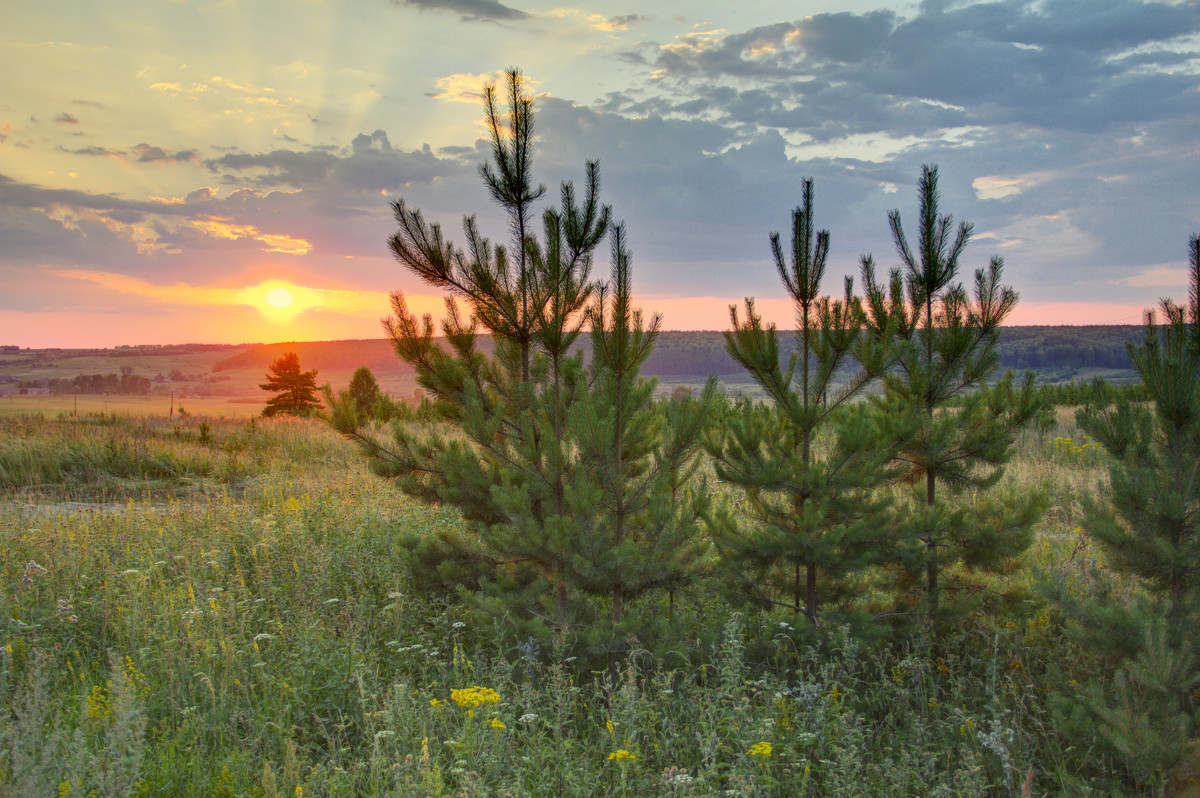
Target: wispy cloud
column 470, row 9
column 466, row 86
column 150, row 154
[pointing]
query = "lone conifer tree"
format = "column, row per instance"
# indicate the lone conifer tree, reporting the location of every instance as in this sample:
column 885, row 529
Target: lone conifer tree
column 560, row 468
column 1150, row 529
column 364, row 389
column 964, row 428
column 296, row 390
column 813, row 509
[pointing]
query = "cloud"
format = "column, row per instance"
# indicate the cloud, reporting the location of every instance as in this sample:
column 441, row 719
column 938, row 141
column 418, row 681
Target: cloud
column 226, row 229
column 370, row 165
column 66, row 119
column 467, row 86
column 1100, row 65
column 597, row 22
column 995, row 187
column 105, row 151
column 148, row 154
column 1175, row 277
column 470, row 9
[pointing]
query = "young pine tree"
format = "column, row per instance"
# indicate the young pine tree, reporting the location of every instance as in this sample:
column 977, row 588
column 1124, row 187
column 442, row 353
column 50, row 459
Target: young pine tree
column 1149, row 529
column 809, row 462
column 295, row 390
column 556, row 467
column 963, row 427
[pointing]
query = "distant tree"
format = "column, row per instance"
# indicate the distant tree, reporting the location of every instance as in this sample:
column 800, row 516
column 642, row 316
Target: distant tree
column 364, row 389
column 963, row 428
column 358, row 404
column 296, row 390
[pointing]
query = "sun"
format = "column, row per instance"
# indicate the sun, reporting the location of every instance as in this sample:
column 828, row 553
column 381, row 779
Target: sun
column 279, row 298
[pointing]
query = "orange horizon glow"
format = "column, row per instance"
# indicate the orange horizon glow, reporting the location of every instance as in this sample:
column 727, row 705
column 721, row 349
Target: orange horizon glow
column 323, row 315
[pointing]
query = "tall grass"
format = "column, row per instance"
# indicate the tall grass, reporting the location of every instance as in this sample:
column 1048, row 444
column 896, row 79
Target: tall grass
column 262, row 637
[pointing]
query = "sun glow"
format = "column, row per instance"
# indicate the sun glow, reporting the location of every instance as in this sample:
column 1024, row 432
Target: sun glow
column 277, row 300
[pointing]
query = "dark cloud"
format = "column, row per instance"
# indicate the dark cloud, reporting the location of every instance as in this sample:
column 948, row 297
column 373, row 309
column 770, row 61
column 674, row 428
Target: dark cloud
column 66, row 119
column 470, row 9
column 371, row 165
column 148, row 154
column 96, row 151
column 1096, row 65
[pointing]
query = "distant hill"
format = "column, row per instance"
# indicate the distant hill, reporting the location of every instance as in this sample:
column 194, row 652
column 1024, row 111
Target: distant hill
column 325, row 356
column 1054, row 354
column 695, row 354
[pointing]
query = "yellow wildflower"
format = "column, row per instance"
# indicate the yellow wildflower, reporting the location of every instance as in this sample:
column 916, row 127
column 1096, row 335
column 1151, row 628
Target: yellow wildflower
column 621, row 755
column 99, row 705
column 498, row 724
column 763, row 749
column 471, row 697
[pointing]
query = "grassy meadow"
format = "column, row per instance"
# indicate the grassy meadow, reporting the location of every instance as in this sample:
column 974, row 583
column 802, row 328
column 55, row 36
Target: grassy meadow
column 216, row 607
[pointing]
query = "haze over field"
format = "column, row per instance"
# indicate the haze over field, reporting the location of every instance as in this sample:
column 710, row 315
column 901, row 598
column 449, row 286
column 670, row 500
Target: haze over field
column 222, row 171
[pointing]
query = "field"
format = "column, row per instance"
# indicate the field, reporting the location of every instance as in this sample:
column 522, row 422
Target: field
column 147, row 406
column 220, row 609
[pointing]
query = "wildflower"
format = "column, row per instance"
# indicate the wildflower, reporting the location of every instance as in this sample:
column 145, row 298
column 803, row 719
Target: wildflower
column 528, row 717
column 99, row 705
column 137, row 679
column 498, row 725
column 436, row 702
column 763, row 749
column 621, row 755
column 471, row 697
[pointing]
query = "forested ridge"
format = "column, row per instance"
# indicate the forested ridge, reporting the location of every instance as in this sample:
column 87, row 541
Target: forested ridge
column 700, row 353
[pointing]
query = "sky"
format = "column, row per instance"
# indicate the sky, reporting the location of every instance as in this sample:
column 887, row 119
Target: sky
column 222, row 171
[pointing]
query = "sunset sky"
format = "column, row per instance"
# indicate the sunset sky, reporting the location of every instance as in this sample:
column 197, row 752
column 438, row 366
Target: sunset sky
column 221, row 170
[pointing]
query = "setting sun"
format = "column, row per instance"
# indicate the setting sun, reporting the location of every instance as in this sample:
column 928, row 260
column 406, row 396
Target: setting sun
column 279, row 298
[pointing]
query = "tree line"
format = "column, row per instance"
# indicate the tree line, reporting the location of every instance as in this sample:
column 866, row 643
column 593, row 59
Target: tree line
column 1043, row 349
column 124, row 383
